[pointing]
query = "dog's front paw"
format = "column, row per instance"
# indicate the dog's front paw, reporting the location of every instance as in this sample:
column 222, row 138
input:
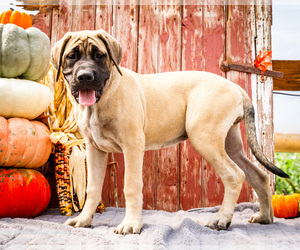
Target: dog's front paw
column 220, row 222
column 262, row 219
column 129, row 227
column 78, row 222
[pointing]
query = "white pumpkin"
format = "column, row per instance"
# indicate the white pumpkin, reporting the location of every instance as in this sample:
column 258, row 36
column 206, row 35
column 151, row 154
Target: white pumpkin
column 23, row 98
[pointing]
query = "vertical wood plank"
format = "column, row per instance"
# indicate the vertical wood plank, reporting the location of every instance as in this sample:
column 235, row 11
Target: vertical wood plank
column 264, row 90
column 213, row 56
column 170, row 36
column 103, row 20
column 125, row 23
column 148, row 37
column 61, row 21
column 148, row 41
column 236, row 52
column 192, row 59
column 42, row 20
column 214, row 38
column 83, row 15
column 169, row 60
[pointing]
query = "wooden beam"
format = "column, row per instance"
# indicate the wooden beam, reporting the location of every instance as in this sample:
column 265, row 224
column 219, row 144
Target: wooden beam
column 38, row 2
column 291, row 70
column 226, row 66
column 32, row 5
column 287, row 142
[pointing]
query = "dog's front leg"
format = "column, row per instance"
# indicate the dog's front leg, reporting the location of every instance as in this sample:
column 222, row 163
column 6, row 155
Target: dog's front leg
column 96, row 163
column 133, row 186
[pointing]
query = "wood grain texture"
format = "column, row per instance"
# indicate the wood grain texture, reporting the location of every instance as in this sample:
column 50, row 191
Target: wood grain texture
column 83, row 15
column 103, row 15
column 169, row 60
column 103, row 20
column 191, row 167
column 291, row 77
column 213, row 56
column 43, row 20
column 264, row 89
column 148, row 63
column 237, row 48
column 61, row 21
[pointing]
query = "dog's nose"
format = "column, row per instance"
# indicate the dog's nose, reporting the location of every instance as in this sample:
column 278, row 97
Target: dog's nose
column 85, row 76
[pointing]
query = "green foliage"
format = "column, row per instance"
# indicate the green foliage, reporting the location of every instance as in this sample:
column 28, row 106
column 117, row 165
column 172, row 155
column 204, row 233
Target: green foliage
column 289, row 163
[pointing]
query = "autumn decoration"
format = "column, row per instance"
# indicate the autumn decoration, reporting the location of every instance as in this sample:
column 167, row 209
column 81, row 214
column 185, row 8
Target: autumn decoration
column 286, row 206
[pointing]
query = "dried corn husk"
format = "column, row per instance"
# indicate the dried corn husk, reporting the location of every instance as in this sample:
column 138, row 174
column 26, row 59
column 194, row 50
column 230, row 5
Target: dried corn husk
column 65, row 132
column 78, row 175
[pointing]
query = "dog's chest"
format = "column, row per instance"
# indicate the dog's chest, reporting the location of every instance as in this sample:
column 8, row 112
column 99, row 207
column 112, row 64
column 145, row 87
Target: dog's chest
column 98, row 130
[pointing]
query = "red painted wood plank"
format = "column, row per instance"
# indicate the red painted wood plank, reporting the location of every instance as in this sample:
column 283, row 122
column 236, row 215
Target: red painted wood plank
column 83, row 15
column 148, row 38
column 125, row 19
column 191, row 176
column 125, row 23
column 42, row 20
column 103, row 20
column 214, row 38
column 148, row 63
column 61, row 21
column 213, row 56
column 192, row 37
column 103, row 17
column 170, row 36
column 169, row 60
column 236, row 52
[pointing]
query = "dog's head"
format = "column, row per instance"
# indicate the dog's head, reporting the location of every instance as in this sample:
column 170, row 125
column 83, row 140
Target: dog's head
column 86, row 60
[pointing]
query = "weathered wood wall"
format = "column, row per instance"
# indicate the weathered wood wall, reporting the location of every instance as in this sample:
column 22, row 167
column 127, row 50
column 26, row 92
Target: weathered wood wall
column 172, row 35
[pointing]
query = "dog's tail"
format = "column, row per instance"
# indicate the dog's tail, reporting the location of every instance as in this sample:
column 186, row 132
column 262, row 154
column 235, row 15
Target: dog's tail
column 252, row 138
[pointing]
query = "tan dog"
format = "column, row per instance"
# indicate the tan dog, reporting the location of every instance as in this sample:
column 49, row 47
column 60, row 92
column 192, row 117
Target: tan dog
column 118, row 110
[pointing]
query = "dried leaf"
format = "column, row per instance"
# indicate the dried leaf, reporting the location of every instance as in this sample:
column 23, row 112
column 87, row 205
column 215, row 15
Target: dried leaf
column 263, row 61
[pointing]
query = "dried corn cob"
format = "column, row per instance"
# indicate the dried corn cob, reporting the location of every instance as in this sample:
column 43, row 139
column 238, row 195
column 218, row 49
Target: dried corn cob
column 62, row 175
column 101, row 207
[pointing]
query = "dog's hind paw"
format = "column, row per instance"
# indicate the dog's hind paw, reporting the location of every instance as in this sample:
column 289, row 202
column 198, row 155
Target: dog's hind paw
column 129, row 227
column 259, row 218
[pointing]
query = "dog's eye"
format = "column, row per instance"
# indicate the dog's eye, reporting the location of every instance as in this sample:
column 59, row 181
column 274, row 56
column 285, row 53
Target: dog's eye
column 100, row 56
column 71, row 56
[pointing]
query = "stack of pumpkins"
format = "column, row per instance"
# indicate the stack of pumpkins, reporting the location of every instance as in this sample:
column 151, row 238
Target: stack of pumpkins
column 24, row 144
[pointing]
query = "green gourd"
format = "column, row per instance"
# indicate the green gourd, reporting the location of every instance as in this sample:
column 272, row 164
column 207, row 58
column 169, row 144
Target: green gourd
column 23, row 53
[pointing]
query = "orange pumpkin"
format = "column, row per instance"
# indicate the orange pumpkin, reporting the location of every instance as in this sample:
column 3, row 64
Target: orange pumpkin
column 20, row 19
column 286, row 206
column 23, row 193
column 23, row 143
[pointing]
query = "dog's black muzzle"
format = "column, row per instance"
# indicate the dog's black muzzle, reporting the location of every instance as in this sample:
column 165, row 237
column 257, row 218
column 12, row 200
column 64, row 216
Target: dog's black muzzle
column 89, row 79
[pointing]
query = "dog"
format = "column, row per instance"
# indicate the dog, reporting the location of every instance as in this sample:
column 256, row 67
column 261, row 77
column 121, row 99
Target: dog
column 118, row 110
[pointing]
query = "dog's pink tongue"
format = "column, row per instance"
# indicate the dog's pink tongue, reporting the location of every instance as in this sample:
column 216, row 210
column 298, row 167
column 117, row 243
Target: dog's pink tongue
column 87, row 97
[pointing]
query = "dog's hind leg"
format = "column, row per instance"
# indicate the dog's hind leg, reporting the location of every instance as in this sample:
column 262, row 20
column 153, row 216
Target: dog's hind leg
column 211, row 147
column 256, row 177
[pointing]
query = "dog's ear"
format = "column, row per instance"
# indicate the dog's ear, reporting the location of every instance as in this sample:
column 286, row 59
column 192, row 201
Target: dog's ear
column 113, row 47
column 57, row 53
